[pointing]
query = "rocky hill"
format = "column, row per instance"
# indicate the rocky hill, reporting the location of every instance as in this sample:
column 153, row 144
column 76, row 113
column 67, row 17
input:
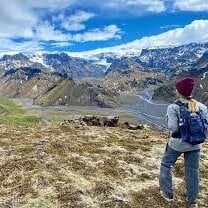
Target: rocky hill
column 27, row 82
column 81, row 166
column 49, row 88
column 67, row 92
column 125, row 65
column 127, row 81
column 73, row 67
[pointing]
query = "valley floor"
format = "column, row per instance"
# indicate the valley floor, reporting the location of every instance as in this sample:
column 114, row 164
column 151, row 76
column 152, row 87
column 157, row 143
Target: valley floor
column 86, row 167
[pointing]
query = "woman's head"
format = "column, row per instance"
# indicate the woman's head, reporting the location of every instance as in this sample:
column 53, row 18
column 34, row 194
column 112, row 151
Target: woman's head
column 185, row 87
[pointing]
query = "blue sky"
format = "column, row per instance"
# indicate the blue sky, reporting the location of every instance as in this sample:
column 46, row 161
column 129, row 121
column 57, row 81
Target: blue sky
column 82, row 25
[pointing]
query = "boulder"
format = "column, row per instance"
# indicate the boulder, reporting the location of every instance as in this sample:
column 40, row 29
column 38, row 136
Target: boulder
column 108, row 121
column 137, row 127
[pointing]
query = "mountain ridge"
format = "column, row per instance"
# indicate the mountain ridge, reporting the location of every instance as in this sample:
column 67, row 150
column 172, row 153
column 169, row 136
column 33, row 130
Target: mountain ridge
column 51, row 88
column 80, row 65
column 199, row 72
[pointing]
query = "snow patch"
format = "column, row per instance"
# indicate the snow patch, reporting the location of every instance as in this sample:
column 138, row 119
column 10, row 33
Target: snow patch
column 103, row 62
column 38, row 59
column 204, row 75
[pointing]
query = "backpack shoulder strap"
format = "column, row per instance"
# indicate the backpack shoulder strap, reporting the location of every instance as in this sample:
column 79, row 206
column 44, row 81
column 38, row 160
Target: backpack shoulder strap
column 179, row 103
column 183, row 109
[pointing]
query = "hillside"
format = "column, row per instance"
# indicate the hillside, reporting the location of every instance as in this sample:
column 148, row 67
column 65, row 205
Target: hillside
column 50, row 88
column 80, row 166
column 11, row 113
column 133, row 80
column 67, row 92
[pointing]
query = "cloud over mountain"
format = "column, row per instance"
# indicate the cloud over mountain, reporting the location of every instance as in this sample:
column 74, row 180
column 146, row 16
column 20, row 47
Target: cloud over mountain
column 39, row 25
column 197, row 31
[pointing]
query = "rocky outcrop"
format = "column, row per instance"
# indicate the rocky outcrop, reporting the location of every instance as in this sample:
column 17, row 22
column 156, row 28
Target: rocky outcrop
column 106, row 121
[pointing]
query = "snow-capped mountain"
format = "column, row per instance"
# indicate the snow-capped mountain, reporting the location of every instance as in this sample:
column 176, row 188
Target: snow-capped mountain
column 173, row 59
column 169, row 59
column 58, row 62
column 96, row 63
column 19, row 60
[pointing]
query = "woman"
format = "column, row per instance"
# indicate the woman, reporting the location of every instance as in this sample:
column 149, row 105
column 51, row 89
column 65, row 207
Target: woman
column 176, row 146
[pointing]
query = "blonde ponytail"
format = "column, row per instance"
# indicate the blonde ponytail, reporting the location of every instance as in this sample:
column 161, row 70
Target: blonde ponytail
column 193, row 105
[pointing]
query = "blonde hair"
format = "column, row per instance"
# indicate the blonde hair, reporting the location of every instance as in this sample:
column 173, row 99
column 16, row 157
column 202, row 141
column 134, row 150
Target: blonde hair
column 193, row 105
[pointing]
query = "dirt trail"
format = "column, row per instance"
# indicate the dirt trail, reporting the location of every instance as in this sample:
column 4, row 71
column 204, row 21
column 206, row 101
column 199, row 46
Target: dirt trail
column 86, row 167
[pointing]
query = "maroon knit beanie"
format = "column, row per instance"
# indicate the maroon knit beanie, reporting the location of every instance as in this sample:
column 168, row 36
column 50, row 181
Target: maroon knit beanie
column 185, row 86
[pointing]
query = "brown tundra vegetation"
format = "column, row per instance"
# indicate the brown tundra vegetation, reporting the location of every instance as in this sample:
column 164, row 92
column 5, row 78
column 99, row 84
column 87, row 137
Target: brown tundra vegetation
column 74, row 166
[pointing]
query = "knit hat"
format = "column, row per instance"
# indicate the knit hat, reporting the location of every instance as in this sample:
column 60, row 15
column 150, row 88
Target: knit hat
column 185, row 86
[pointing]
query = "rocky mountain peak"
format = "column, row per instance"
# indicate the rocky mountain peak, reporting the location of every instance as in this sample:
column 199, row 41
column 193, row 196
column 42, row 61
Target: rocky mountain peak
column 15, row 57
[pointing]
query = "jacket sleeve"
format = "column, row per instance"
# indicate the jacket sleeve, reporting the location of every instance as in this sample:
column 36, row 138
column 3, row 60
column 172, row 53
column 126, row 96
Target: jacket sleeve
column 172, row 117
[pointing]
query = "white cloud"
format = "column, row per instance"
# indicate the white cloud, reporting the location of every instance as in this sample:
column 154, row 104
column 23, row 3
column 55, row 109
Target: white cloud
column 19, row 19
column 46, row 32
column 191, row 5
column 74, row 26
column 151, row 6
column 197, row 31
column 60, row 44
column 169, row 26
column 47, row 4
column 75, row 21
column 16, row 19
column 8, row 46
column 108, row 32
column 136, row 7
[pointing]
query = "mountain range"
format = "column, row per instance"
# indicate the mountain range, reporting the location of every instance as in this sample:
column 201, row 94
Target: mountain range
column 60, row 78
column 167, row 60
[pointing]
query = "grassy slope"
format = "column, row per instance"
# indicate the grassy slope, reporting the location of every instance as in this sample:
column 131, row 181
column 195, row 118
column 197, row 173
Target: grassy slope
column 86, row 167
column 11, row 113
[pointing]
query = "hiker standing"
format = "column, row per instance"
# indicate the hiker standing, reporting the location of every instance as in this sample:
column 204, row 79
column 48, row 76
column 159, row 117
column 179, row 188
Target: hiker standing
column 187, row 123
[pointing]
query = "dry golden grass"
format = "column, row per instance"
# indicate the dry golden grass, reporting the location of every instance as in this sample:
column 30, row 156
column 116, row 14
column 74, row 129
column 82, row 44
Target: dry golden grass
column 86, row 167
